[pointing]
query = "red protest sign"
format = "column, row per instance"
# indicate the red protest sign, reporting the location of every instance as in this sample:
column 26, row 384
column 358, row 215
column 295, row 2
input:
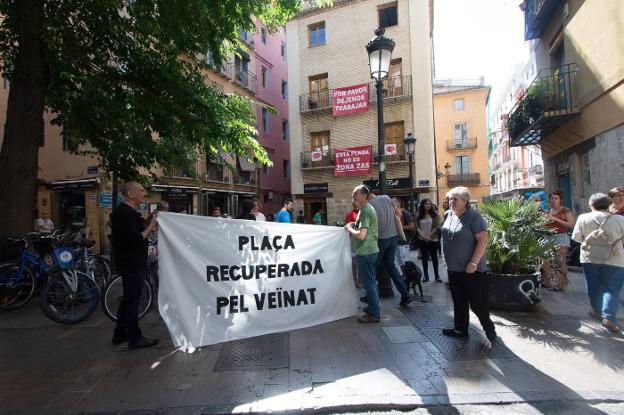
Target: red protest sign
column 349, row 100
column 354, row 160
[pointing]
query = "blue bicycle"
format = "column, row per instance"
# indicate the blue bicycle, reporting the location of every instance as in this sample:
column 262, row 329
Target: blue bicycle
column 68, row 296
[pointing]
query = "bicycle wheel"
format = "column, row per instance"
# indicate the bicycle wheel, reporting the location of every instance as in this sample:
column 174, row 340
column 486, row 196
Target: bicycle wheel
column 102, row 268
column 15, row 289
column 69, row 297
column 113, row 294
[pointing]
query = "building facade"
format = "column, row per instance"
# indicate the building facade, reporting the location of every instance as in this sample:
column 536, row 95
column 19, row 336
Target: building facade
column 273, row 132
column 326, row 53
column 461, row 137
column 574, row 109
column 513, row 170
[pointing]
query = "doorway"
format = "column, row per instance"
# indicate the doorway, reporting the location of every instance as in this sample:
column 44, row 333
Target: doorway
column 311, row 206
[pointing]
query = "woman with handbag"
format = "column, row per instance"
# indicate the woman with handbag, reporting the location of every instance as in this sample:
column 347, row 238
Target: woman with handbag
column 603, row 263
column 428, row 233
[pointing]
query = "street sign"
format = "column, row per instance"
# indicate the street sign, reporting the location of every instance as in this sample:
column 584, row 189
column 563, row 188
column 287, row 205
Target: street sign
column 315, row 188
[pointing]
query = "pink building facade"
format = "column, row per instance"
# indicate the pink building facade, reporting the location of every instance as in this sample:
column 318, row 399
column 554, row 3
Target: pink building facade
column 272, row 81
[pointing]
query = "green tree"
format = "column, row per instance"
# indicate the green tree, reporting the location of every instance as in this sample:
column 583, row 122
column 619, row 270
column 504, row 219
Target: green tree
column 124, row 78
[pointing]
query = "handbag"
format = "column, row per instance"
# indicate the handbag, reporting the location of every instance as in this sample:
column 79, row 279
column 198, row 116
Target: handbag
column 399, row 228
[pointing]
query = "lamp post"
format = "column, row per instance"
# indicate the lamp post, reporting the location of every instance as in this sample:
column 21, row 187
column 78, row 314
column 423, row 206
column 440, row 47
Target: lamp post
column 410, row 148
column 379, row 54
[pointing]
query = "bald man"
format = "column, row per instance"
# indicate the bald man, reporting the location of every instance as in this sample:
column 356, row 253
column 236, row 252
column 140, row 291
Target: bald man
column 130, row 234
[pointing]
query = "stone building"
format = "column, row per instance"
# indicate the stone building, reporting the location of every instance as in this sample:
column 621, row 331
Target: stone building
column 326, row 53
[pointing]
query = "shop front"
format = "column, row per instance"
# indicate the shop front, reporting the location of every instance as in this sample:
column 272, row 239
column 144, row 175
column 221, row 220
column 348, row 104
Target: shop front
column 72, row 205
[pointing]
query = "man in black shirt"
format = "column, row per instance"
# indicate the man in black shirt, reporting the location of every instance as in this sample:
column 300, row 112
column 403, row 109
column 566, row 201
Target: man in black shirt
column 130, row 234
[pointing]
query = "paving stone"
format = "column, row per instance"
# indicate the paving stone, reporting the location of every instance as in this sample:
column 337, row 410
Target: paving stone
column 264, row 352
column 404, row 334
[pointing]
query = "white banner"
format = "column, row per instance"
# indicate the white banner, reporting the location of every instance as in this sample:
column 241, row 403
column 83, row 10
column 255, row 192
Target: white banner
column 226, row 279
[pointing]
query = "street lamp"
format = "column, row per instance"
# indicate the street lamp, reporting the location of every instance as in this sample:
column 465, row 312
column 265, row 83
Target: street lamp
column 447, row 168
column 410, row 148
column 379, row 54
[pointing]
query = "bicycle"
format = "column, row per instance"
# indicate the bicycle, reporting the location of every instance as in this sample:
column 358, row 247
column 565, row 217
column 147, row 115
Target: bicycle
column 68, row 296
column 113, row 293
column 95, row 266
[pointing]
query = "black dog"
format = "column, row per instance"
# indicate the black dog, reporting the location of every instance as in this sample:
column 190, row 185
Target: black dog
column 412, row 275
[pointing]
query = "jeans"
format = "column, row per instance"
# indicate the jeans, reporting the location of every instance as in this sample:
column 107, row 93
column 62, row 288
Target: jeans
column 128, row 312
column 470, row 290
column 430, row 249
column 366, row 271
column 387, row 254
column 604, row 283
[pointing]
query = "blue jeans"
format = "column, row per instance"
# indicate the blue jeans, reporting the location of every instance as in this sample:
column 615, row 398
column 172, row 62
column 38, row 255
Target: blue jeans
column 367, row 271
column 387, row 253
column 604, row 283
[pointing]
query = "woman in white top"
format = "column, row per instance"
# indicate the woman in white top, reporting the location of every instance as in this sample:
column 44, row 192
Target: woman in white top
column 604, row 276
column 428, row 229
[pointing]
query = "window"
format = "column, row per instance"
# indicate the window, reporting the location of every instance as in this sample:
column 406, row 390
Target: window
column 393, row 84
column 265, row 120
column 459, row 104
column 319, row 141
column 263, row 35
column 317, row 34
column 285, row 129
column 388, row 15
column 284, row 89
column 286, row 165
column 319, row 91
column 264, row 72
column 394, row 134
column 266, row 170
column 462, row 164
column 241, row 65
column 283, row 51
column 460, row 135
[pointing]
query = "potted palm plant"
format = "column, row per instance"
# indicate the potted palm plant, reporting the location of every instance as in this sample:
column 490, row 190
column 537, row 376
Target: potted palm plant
column 515, row 252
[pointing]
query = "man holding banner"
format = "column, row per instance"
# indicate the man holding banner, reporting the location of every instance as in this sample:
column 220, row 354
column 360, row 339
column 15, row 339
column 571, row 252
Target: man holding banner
column 364, row 232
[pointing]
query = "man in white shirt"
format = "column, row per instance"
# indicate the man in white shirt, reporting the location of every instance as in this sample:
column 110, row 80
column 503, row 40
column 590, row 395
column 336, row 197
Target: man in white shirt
column 44, row 224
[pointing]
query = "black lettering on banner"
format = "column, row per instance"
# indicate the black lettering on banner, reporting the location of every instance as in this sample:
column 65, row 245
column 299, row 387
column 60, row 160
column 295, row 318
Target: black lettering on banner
column 260, row 300
column 281, row 298
column 212, row 271
column 266, row 243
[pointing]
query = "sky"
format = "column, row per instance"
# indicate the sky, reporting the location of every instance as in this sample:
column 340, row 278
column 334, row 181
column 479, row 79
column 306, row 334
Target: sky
column 474, row 38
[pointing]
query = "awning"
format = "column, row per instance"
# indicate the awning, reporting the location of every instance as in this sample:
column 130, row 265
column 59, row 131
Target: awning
column 245, row 165
column 86, row 183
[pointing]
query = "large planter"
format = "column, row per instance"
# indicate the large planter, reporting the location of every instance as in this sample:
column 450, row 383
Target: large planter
column 519, row 292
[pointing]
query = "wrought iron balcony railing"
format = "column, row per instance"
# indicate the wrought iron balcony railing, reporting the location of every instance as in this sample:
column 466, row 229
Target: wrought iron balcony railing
column 537, row 14
column 463, row 179
column 464, row 143
column 545, row 106
column 395, row 87
column 243, row 77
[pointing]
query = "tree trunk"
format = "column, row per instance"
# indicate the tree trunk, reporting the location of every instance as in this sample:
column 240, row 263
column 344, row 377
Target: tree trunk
column 24, row 128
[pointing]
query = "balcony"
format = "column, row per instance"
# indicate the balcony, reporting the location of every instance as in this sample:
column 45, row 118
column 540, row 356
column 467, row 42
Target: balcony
column 247, row 178
column 310, row 161
column 243, row 77
column 316, row 100
column 247, row 38
column 463, row 179
column 222, row 68
column 537, row 15
column 537, row 169
column 395, row 87
column 546, row 105
column 463, row 144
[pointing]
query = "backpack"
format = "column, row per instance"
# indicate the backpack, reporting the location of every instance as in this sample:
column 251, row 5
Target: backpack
column 597, row 246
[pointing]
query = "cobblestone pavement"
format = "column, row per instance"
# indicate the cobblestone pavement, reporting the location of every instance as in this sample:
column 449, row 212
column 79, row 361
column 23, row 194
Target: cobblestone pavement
column 553, row 360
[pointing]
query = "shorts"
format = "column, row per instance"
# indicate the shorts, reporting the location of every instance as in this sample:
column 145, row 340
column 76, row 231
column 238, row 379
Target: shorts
column 559, row 239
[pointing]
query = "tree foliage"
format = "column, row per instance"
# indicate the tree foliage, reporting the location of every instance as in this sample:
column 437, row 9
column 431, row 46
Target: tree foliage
column 126, row 77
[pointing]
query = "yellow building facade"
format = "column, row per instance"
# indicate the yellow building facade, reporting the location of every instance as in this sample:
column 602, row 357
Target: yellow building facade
column 461, row 138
